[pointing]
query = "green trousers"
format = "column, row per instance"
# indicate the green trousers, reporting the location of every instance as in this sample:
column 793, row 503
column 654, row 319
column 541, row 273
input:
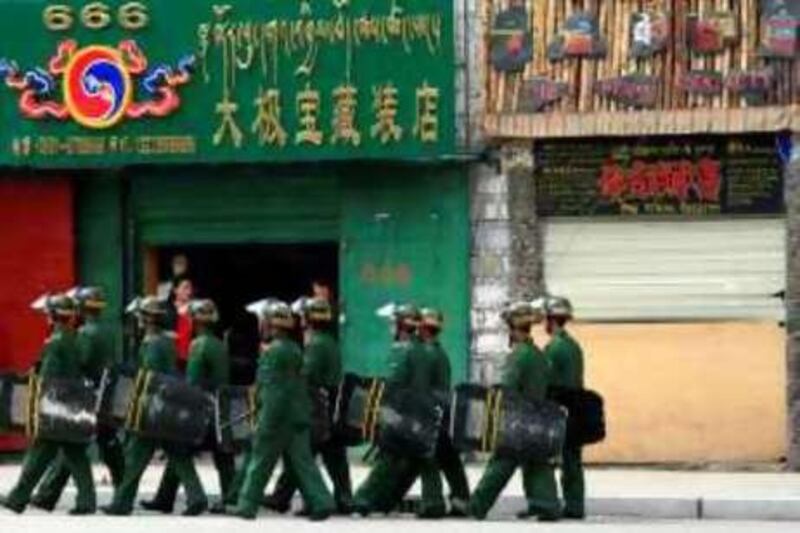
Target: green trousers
column 572, row 483
column 138, row 453
column 334, row 457
column 235, row 488
column 43, row 454
column 294, row 446
column 168, row 487
column 110, row 451
column 538, row 481
column 390, row 479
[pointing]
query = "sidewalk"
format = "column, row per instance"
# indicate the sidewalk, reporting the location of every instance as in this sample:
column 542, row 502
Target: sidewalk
column 641, row 493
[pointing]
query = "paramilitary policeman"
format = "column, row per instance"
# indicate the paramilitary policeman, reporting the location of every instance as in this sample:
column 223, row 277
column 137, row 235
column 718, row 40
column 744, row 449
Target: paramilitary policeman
column 323, row 371
column 526, row 373
column 60, row 358
column 283, row 420
column 412, row 367
column 98, row 356
column 157, row 354
column 566, row 360
column 207, row 367
column 447, row 456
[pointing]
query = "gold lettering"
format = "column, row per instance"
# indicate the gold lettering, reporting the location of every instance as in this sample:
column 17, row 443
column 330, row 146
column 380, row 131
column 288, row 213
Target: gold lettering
column 95, row 16
column 344, row 116
column 385, row 104
column 228, row 125
column 58, row 18
column 308, row 102
column 426, row 125
column 133, row 16
column 267, row 124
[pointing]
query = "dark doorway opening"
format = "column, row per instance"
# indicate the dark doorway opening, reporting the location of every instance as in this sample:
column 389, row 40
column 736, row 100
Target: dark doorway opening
column 236, row 275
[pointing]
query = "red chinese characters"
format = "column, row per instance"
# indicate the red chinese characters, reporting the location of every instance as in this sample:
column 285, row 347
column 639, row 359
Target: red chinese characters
column 680, row 180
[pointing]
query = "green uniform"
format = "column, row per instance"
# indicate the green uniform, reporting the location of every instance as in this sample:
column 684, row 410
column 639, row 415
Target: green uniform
column 282, row 430
column 60, row 359
column 208, row 367
column 323, row 369
column 566, row 359
column 157, row 353
column 97, row 354
column 526, row 373
column 411, row 366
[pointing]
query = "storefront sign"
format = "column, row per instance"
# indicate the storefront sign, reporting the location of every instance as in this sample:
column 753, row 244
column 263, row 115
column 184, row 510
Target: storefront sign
column 634, row 90
column 687, row 177
column 94, row 83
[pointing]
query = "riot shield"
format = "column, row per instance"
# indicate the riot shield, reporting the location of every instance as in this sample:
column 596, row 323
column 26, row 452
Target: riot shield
column 586, row 423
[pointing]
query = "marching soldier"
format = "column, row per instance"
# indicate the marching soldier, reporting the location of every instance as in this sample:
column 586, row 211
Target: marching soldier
column 60, row 358
column 97, row 356
column 208, row 368
column 282, row 427
column 323, row 371
column 410, row 367
column 526, row 373
column 157, row 354
column 446, row 455
column 566, row 360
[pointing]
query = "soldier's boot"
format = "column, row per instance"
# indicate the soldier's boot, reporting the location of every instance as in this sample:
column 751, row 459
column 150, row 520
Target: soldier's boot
column 11, row 506
column 164, row 500
column 51, row 488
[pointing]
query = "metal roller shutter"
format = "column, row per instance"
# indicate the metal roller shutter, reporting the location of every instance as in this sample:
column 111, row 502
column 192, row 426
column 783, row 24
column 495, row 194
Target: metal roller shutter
column 668, row 270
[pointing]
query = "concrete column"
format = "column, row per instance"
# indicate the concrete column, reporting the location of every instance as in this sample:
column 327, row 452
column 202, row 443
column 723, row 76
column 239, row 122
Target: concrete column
column 792, row 185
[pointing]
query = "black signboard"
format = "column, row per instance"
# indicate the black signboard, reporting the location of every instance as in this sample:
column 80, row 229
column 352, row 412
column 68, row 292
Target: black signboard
column 688, row 176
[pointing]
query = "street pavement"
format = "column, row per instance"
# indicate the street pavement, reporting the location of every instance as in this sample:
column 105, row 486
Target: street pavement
column 656, row 500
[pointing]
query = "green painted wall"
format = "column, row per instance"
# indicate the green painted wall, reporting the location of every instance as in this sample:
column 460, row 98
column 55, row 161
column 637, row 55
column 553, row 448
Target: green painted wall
column 405, row 237
column 99, row 230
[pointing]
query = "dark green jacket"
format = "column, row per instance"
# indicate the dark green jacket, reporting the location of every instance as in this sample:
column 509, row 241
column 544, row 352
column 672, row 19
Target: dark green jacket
column 97, row 349
column 566, row 360
column 442, row 372
column 157, row 353
column 60, row 357
column 527, row 371
column 412, row 366
column 322, row 360
column 208, row 365
column 284, row 403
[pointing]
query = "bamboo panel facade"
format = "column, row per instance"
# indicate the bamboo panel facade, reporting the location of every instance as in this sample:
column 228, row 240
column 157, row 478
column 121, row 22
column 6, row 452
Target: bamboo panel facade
column 584, row 108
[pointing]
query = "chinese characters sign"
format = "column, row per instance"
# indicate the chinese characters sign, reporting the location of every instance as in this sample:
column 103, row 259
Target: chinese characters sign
column 95, row 83
column 706, row 176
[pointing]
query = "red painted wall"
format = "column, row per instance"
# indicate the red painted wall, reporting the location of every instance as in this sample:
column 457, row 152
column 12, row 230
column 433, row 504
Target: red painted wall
column 36, row 255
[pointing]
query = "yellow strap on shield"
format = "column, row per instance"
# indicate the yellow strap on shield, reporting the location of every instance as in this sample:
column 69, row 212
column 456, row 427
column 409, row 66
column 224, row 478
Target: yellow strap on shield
column 131, row 414
column 141, row 402
column 251, row 407
column 365, row 418
column 498, row 414
column 486, row 425
column 376, row 410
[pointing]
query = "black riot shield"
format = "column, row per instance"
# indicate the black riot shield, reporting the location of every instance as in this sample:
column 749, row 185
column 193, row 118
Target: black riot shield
column 235, row 417
column 527, row 430
column 469, row 418
column 322, row 404
column 15, row 401
column 169, row 409
column 65, row 410
column 355, row 415
column 586, row 423
column 117, row 396
column 409, row 423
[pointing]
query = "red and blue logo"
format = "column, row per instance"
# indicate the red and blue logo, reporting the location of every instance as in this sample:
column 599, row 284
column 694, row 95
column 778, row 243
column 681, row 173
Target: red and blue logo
column 99, row 85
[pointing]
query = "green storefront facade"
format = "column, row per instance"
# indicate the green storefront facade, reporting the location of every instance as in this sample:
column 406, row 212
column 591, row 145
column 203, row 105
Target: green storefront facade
column 279, row 140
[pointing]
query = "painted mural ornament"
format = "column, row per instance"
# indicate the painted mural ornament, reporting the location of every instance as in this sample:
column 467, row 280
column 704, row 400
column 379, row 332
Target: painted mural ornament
column 537, row 93
column 711, row 33
column 780, row 29
column 267, row 124
column 99, row 86
column 426, row 125
column 345, row 103
column 752, row 85
column 650, row 33
column 385, row 104
column 638, row 91
column 702, row 82
column 580, row 37
column 511, row 40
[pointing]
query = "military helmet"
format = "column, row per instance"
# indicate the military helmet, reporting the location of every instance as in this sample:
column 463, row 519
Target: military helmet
column 56, row 305
column 89, row 297
column 148, row 306
column 273, row 312
column 521, row 315
column 406, row 315
column 558, row 307
column 432, row 318
column 204, row 311
column 317, row 310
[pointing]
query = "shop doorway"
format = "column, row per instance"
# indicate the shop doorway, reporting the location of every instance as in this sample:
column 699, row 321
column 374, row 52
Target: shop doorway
column 235, row 275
